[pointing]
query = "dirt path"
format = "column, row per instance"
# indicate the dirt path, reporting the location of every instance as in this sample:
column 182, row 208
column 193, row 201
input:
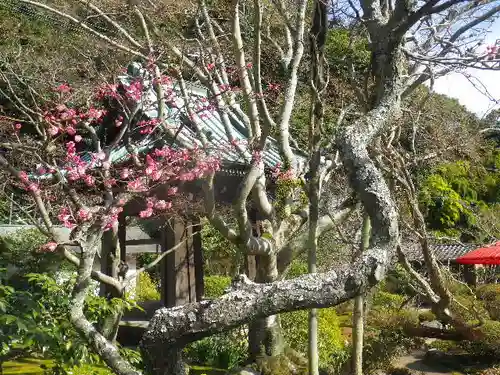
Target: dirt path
column 415, row 362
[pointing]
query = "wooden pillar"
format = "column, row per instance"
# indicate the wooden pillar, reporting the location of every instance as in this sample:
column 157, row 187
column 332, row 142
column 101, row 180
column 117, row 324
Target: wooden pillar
column 122, row 235
column 177, row 269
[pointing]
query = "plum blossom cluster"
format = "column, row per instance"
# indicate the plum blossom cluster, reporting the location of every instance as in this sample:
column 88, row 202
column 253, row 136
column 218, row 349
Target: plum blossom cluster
column 278, row 174
column 62, row 119
column 154, row 205
column 49, row 247
column 70, row 219
column 81, row 168
column 77, row 168
column 134, row 90
column 27, row 184
column 169, row 165
column 147, row 126
column 107, row 91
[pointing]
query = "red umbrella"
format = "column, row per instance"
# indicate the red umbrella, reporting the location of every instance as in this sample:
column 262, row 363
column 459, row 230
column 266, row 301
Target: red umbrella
column 490, row 254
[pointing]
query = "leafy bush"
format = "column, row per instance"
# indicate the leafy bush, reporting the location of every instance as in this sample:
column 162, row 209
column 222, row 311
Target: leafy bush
column 220, row 255
column 226, row 350
column 387, row 300
column 282, row 365
column 426, row 316
column 154, row 272
column 383, row 346
column 469, row 308
column 89, row 370
column 344, row 308
column 215, row 286
column 488, row 344
column 386, row 338
column 18, row 255
column 490, row 295
column 146, row 289
column 488, row 292
column 296, row 269
column 444, row 345
column 398, row 281
column 330, row 339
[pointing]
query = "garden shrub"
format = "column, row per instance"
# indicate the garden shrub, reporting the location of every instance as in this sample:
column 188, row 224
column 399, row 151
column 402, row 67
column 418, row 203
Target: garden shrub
column 221, row 257
column 490, row 295
column 18, row 255
column 330, row 339
column 154, row 272
column 491, row 331
column 226, row 350
column 488, row 292
column 488, row 345
column 215, row 286
column 345, row 308
column 426, row 316
column 385, row 337
column 146, row 289
column 444, row 345
column 398, row 281
column 493, row 308
column 382, row 318
column 89, row 370
column 469, row 308
column 281, row 365
column 297, row 268
column 387, row 300
column 382, row 347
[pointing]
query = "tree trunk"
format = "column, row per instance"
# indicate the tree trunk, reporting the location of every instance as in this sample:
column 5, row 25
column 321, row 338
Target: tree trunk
column 167, row 361
column 312, row 347
column 111, row 258
column 358, row 311
column 318, row 84
column 106, row 350
column 265, row 336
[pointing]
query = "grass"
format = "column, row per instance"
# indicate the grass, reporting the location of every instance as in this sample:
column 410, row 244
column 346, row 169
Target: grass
column 200, row 370
column 31, row 366
column 25, row 366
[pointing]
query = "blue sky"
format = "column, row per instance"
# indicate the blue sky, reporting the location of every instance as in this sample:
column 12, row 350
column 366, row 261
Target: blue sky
column 457, row 86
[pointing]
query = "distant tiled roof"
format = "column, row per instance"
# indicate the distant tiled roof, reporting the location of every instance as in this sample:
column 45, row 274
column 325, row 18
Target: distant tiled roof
column 443, row 252
column 208, row 121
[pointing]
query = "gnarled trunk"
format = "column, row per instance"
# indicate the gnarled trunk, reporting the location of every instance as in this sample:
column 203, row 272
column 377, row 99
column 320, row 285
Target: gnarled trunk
column 104, row 348
column 265, row 336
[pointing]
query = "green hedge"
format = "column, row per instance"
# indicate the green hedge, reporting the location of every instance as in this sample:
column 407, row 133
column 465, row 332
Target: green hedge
column 490, row 295
column 387, row 300
column 488, row 292
column 330, row 339
column 215, row 286
column 146, row 289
